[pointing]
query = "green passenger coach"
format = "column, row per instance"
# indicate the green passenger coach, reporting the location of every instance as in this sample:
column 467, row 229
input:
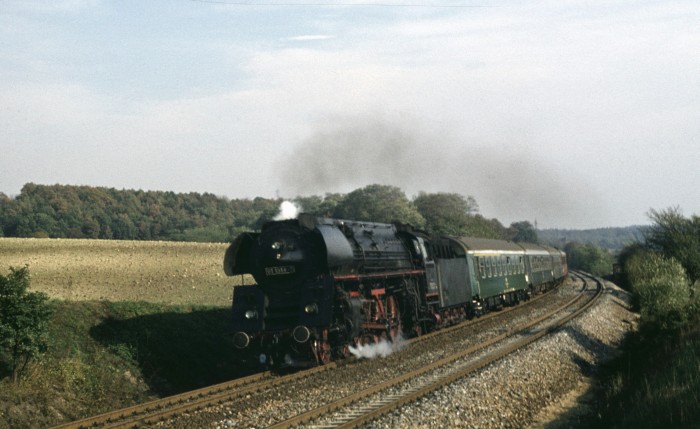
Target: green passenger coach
column 497, row 272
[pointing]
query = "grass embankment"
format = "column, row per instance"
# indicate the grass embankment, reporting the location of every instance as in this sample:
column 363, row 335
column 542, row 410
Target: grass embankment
column 131, row 321
column 655, row 383
column 102, row 356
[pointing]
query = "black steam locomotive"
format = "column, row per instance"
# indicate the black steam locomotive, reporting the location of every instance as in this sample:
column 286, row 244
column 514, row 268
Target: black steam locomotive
column 324, row 285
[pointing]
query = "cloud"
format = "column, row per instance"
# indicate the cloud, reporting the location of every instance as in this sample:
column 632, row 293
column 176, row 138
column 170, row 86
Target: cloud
column 596, row 99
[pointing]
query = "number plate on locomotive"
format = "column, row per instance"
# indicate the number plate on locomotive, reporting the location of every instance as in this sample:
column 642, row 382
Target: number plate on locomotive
column 276, row 271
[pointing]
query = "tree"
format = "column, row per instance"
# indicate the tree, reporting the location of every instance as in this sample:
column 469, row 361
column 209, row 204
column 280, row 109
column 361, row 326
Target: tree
column 678, row 237
column 589, row 258
column 24, row 318
column 379, row 203
column 445, row 213
column 523, row 232
column 479, row 226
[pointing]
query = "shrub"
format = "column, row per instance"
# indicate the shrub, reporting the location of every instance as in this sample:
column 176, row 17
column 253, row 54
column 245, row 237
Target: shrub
column 661, row 288
column 24, row 320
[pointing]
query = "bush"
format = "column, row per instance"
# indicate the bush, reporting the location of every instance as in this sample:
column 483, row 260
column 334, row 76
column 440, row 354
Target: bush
column 24, row 320
column 661, row 289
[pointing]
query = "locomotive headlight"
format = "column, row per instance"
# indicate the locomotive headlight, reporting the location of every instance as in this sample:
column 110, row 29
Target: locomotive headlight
column 311, row 308
column 251, row 314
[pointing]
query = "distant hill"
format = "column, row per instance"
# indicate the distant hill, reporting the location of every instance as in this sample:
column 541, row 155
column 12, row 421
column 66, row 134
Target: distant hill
column 613, row 239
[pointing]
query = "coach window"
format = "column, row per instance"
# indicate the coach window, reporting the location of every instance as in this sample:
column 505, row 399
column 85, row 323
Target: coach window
column 482, row 269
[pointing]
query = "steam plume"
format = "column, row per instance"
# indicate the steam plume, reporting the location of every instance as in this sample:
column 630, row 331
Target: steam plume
column 288, row 210
column 381, row 349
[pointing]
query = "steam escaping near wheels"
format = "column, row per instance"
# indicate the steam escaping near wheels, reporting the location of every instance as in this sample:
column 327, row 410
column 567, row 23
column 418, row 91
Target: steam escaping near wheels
column 381, row 349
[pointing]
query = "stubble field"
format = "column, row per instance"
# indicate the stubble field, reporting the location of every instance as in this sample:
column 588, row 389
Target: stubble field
column 111, row 270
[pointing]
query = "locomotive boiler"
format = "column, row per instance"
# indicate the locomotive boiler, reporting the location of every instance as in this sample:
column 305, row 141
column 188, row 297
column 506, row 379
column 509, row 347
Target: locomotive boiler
column 325, row 284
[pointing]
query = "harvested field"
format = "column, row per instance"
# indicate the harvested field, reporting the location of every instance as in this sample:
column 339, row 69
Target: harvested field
column 153, row 271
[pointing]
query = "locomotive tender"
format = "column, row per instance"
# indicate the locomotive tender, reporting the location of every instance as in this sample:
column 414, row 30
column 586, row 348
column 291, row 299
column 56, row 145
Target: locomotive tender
column 324, row 284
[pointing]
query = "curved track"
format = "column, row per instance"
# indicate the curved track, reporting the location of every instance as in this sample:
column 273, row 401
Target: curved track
column 376, row 401
column 188, row 402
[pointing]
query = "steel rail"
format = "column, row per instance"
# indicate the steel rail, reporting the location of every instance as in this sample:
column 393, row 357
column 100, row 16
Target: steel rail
column 151, row 411
column 381, row 407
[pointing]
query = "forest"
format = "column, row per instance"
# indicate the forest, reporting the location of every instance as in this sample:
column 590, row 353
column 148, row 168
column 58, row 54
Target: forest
column 65, row 211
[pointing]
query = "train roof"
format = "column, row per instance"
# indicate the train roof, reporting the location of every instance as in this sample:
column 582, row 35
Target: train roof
column 554, row 250
column 486, row 244
column 535, row 249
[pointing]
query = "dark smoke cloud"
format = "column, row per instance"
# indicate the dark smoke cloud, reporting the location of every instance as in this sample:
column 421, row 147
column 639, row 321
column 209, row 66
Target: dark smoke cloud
column 508, row 183
column 353, row 154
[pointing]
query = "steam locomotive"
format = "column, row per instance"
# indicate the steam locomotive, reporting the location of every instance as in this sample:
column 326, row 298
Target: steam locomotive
column 324, row 285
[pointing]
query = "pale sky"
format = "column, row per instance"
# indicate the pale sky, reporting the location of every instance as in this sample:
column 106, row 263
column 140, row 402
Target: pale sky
column 574, row 114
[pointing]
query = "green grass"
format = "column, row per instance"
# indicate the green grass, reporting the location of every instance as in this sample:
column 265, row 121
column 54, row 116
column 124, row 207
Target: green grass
column 105, row 355
column 655, row 384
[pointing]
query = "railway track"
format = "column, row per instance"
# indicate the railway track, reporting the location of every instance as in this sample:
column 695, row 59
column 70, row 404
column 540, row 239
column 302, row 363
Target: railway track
column 376, row 401
column 162, row 409
column 238, row 390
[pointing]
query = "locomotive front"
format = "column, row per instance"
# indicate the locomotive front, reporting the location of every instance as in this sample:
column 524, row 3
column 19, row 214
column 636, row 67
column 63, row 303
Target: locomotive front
column 285, row 316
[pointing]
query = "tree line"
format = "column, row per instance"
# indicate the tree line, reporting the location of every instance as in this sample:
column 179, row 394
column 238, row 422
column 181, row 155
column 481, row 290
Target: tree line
column 64, row 211
column 613, row 239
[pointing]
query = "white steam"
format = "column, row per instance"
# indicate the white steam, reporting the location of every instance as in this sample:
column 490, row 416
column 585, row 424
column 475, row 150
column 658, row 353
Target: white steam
column 288, row 210
column 381, row 349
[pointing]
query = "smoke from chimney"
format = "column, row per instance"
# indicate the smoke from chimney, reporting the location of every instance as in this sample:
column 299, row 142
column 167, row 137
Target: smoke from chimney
column 288, row 210
column 509, row 179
